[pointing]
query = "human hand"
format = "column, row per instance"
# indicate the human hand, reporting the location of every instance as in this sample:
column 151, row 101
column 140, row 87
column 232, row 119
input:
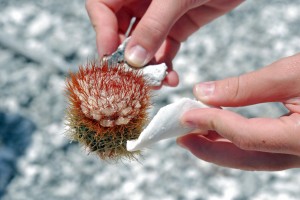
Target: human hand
column 162, row 26
column 249, row 144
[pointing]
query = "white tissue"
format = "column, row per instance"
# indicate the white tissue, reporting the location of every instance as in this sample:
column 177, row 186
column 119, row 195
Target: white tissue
column 165, row 124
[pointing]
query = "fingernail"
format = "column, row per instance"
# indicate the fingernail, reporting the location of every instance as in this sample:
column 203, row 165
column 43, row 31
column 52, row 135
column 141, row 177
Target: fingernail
column 136, row 56
column 204, row 91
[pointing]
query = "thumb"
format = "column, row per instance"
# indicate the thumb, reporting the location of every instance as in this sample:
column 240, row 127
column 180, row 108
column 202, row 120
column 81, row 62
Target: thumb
column 153, row 29
column 274, row 83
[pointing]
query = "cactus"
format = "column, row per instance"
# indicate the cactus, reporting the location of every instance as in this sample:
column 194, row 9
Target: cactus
column 107, row 106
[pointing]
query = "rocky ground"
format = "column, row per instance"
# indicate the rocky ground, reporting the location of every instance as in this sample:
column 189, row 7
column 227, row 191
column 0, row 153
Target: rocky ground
column 41, row 40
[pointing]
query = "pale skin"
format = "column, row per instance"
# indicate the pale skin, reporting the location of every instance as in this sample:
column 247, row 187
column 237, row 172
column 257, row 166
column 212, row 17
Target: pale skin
column 225, row 138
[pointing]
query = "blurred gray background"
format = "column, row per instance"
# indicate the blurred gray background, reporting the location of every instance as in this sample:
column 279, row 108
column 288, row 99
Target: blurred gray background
column 40, row 41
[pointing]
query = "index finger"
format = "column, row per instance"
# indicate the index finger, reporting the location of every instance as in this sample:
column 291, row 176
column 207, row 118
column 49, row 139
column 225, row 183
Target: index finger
column 105, row 23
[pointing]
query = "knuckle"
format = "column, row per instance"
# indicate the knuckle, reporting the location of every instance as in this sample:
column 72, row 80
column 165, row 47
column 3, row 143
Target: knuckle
column 153, row 26
column 186, row 4
column 153, row 31
column 242, row 143
column 190, row 3
column 233, row 89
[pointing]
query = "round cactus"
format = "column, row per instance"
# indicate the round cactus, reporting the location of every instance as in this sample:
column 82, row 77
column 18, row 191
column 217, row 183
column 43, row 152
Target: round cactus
column 107, row 106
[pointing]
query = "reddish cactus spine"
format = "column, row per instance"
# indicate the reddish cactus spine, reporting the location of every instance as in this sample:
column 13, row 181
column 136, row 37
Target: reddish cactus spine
column 107, row 106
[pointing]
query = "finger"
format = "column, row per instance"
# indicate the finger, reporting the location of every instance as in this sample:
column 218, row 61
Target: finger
column 214, row 136
column 132, row 9
column 258, row 134
column 172, row 79
column 105, row 23
column 276, row 82
column 159, row 19
column 293, row 104
column 183, row 28
column 199, row 16
column 210, row 135
column 165, row 54
column 152, row 30
column 228, row 155
column 124, row 19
